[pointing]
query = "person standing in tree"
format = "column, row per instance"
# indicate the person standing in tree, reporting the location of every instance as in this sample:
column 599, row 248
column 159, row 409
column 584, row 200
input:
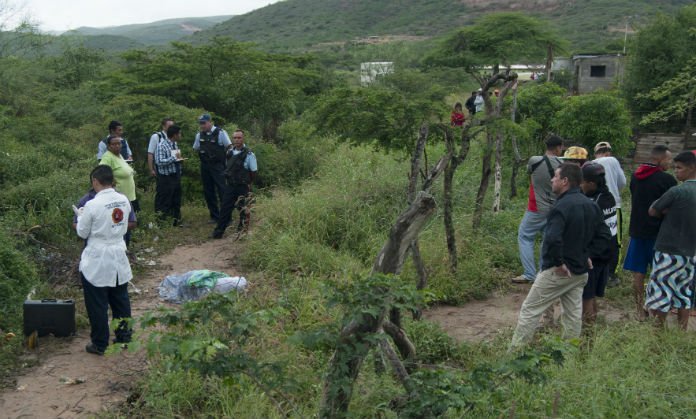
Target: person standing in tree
column 212, row 143
column 457, row 118
column 648, row 184
column 541, row 199
column 594, row 187
column 616, row 181
column 479, row 102
column 104, row 266
column 470, row 105
column 671, row 280
column 240, row 171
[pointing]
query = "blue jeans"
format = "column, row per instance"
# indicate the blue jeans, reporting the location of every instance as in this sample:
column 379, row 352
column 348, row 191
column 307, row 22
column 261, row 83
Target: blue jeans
column 533, row 223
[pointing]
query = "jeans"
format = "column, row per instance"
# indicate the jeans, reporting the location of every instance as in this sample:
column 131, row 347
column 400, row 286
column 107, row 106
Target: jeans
column 97, row 302
column 547, row 288
column 213, row 178
column 533, row 223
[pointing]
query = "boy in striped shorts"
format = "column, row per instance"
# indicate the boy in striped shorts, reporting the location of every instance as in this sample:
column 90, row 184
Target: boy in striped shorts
column 675, row 249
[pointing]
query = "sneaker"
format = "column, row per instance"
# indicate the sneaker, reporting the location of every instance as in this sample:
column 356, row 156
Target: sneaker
column 613, row 281
column 215, row 236
column 93, row 349
column 521, row 279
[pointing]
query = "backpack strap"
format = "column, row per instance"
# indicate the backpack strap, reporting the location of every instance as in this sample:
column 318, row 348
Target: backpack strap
column 544, row 159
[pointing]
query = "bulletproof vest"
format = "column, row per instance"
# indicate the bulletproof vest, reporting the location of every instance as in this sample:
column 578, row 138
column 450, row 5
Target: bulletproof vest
column 124, row 149
column 235, row 173
column 210, row 150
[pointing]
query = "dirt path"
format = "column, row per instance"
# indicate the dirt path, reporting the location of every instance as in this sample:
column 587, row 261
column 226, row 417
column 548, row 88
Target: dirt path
column 481, row 320
column 70, row 383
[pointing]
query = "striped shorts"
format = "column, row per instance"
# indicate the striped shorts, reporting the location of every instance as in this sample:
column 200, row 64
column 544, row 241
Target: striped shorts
column 670, row 282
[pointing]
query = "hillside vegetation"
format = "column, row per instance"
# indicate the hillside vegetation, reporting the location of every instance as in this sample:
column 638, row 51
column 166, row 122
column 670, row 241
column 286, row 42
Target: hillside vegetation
column 154, row 33
column 334, row 171
column 299, row 24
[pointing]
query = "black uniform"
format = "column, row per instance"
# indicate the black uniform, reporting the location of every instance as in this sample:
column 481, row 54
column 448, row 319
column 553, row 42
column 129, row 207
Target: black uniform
column 212, row 156
column 238, row 180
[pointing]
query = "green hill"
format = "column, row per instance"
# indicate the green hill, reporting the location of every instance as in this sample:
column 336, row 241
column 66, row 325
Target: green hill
column 301, row 24
column 154, row 33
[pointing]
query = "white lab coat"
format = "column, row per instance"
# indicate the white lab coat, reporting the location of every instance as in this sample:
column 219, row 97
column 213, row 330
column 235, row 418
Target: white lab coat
column 103, row 223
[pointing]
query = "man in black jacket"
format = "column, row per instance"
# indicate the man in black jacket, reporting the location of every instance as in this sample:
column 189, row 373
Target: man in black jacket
column 573, row 232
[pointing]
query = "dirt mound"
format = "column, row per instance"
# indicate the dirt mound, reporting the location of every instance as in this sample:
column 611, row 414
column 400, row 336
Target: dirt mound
column 70, row 383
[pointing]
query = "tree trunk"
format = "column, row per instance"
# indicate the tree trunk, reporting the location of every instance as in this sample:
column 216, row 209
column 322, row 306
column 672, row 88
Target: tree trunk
column 549, row 61
column 485, row 179
column 412, row 185
column 453, row 163
column 354, row 341
column 498, row 177
column 515, row 146
column 447, row 185
column 689, row 113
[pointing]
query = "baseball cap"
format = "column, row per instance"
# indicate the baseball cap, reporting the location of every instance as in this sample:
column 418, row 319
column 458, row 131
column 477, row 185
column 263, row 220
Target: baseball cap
column 575, row 153
column 204, row 118
column 592, row 172
column 602, row 144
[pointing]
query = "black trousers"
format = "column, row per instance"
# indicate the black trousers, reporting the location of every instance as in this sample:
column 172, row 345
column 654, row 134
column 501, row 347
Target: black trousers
column 98, row 300
column 135, row 207
column 233, row 198
column 213, row 178
column 168, row 197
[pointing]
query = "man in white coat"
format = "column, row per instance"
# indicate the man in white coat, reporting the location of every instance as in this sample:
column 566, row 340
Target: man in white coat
column 104, row 265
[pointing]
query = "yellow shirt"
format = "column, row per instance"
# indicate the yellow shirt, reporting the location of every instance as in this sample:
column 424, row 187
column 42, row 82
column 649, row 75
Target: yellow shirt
column 123, row 174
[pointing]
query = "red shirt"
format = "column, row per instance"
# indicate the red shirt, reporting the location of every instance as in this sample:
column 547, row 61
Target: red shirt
column 457, row 119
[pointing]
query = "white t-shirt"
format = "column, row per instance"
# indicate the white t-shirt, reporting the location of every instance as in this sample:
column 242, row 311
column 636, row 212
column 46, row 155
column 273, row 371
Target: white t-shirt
column 104, row 222
column 614, row 175
column 154, row 140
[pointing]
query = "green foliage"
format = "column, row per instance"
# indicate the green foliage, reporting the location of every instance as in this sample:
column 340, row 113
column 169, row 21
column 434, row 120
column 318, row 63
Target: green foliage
column 539, row 102
column 155, row 33
column 228, row 353
column 589, row 119
column 498, row 38
column 17, row 277
column 387, row 114
column 659, row 52
column 255, row 90
column 676, row 95
column 302, row 24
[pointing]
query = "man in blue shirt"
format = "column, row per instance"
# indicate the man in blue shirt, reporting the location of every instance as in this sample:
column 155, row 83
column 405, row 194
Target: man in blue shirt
column 168, row 161
column 240, row 172
column 212, row 144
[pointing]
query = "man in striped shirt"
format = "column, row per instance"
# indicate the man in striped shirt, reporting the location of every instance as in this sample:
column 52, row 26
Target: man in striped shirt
column 168, row 161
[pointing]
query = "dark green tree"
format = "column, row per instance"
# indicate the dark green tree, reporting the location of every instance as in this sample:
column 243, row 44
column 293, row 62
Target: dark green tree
column 659, row 51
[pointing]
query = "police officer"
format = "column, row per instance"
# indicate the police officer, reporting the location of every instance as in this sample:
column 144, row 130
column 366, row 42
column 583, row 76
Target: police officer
column 240, row 171
column 115, row 130
column 211, row 144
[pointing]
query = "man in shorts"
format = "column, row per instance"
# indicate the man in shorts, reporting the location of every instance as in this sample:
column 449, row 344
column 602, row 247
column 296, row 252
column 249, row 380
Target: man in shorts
column 648, row 183
column 675, row 249
column 594, row 186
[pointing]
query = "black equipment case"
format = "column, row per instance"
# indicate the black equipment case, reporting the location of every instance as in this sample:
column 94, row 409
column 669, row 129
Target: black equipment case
column 56, row 317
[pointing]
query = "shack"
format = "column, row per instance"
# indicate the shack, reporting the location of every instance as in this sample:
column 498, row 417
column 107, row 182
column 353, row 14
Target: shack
column 596, row 72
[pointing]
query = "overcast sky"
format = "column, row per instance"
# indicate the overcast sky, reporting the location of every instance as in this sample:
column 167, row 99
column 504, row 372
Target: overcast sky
column 61, row 15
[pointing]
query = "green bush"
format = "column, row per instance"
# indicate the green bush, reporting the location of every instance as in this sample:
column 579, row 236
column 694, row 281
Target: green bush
column 18, row 276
